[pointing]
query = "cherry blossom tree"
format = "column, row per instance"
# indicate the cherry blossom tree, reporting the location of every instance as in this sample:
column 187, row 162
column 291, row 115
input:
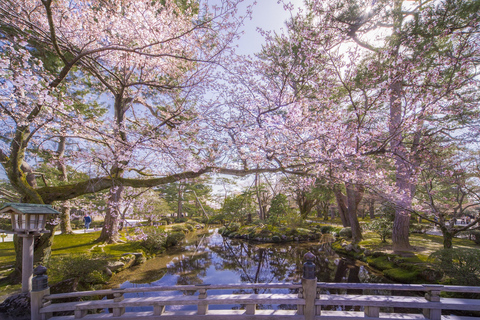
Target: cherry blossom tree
column 356, row 89
column 448, row 190
column 150, row 57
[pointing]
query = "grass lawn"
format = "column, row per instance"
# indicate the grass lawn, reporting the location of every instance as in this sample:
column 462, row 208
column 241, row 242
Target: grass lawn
column 71, row 244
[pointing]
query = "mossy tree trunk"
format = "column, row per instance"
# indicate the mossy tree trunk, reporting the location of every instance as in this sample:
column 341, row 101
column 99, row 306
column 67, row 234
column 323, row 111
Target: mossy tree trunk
column 353, row 198
column 65, row 225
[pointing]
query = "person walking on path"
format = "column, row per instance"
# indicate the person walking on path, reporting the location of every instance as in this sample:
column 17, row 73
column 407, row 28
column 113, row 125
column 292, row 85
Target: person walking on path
column 87, row 221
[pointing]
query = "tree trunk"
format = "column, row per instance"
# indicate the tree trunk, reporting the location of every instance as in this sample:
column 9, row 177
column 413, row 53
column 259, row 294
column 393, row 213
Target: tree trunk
column 353, row 199
column 447, row 239
column 401, row 223
column 110, row 230
column 261, row 213
column 60, row 159
column 65, row 225
column 180, row 203
column 332, row 212
column 371, row 208
column 342, row 207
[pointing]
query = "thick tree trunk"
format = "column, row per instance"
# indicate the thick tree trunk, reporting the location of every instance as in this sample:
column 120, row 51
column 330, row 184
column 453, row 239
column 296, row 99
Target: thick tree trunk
column 342, row 207
column 110, row 229
column 447, row 239
column 65, row 225
column 401, row 223
column 353, row 198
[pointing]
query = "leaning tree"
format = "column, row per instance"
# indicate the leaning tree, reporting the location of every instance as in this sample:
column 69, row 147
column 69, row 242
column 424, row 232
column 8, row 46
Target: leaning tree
column 149, row 58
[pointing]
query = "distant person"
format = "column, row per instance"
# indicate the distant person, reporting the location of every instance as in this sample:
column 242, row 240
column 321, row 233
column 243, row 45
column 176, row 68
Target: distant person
column 87, row 221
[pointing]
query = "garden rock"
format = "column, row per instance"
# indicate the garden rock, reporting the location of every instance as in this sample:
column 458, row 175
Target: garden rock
column 116, row 266
column 17, row 306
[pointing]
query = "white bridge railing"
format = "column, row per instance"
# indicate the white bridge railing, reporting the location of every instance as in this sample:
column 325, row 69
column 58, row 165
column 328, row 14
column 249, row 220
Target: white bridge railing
column 309, row 300
column 313, row 301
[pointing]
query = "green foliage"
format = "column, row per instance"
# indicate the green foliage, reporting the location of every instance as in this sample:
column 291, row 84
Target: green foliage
column 186, row 193
column 239, row 205
column 5, row 224
column 217, row 219
column 382, row 227
column 387, row 211
column 460, row 265
column 154, row 239
column 87, row 269
column 278, row 208
column 473, row 235
column 326, row 229
column 174, row 238
column 346, row 233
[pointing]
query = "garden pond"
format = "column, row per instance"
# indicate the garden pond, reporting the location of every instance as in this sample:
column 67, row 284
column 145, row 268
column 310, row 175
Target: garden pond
column 209, row 258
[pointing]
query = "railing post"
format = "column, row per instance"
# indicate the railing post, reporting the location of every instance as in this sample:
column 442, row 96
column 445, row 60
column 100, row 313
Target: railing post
column 118, row 311
column 39, row 290
column 432, row 293
column 309, row 285
column 202, row 307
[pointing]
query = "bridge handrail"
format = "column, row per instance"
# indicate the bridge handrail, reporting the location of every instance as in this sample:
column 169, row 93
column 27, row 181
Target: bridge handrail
column 246, row 286
column 174, row 288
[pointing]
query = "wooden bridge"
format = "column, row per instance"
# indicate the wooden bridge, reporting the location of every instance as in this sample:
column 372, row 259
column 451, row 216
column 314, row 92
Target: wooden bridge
column 309, row 300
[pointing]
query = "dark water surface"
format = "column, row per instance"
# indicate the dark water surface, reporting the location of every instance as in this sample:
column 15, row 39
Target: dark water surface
column 208, row 258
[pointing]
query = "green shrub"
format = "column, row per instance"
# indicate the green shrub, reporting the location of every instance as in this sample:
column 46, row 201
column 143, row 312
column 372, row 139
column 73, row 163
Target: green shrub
column 346, row 233
column 86, row 269
column 5, row 224
column 460, row 265
column 326, row 229
column 174, row 238
column 180, row 220
column 153, row 239
column 382, row 227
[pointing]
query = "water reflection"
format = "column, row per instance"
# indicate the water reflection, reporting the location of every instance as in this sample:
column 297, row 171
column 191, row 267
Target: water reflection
column 211, row 259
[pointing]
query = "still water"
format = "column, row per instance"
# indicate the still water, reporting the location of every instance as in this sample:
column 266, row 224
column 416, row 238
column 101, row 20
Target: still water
column 208, row 258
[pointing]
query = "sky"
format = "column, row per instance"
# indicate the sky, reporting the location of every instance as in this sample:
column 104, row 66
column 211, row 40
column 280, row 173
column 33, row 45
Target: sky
column 268, row 15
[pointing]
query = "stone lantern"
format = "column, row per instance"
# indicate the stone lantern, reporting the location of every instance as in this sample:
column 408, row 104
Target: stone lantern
column 28, row 220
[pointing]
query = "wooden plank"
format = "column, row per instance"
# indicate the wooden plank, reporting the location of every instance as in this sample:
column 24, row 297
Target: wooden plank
column 398, row 301
column 251, row 286
column 243, row 286
column 182, row 315
column 176, row 300
column 261, row 315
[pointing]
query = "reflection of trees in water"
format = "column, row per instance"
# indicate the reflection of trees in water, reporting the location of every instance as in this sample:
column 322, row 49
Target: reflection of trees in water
column 190, row 268
column 260, row 263
column 274, row 263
